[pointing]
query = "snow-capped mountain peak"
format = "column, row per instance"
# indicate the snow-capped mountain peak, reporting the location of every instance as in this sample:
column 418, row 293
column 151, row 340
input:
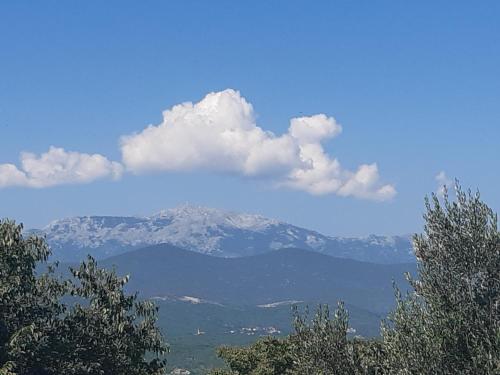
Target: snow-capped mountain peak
column 209, row 231
column 190, row 214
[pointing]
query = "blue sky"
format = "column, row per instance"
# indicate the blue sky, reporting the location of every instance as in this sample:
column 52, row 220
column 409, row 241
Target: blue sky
column 414, row 87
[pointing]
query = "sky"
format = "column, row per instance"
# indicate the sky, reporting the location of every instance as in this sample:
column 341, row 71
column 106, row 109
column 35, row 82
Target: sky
column 338, row 116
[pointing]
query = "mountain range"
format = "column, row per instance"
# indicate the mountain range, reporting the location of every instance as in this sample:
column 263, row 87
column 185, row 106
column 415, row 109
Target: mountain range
column 213, row 232
column 235, row 276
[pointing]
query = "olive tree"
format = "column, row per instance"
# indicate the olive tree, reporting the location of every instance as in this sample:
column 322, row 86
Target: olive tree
column 320, row 345
column 267, row 356
column 324, row 346
column 450, row 322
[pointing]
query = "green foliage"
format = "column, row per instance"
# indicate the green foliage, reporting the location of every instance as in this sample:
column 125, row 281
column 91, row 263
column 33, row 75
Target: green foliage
column 268, row 356
column 103, row 330
column 450, row 324
column 324, row 345
column 318, row 347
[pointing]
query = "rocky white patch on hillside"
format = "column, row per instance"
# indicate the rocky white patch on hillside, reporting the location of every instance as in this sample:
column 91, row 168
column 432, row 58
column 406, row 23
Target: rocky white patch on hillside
column 209, row 231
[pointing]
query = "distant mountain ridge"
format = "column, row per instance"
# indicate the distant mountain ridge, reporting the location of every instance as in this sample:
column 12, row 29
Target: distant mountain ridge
column 213, row 232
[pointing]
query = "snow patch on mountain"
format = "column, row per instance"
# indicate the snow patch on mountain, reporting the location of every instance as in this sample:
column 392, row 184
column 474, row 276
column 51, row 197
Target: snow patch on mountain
column 209, row 231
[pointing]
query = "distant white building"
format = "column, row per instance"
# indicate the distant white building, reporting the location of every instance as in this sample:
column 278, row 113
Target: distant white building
column 180, row 371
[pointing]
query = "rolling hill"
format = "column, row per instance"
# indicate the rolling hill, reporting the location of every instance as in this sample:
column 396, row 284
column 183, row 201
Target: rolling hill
column 164, row 271
column 233, row 301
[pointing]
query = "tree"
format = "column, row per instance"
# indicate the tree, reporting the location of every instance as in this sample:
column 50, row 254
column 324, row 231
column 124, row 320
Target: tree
column 320, row 346
column 101, row 330
column 324, row 345
column 450, row 323
column 267, row 356
column 26, row 301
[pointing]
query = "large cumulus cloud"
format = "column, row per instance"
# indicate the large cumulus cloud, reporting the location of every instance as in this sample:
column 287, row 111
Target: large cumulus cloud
column 220, row 134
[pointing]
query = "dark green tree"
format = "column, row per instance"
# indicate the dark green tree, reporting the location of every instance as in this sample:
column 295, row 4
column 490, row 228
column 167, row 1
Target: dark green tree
column 267, row 356
column 101, row 330
column 27, row 302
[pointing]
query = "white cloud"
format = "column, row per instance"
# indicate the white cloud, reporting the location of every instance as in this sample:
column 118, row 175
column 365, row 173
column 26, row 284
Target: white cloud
column 314, row 129
column 220, row 133
column 444, row 183
column 11, row 176
column 56, row 167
